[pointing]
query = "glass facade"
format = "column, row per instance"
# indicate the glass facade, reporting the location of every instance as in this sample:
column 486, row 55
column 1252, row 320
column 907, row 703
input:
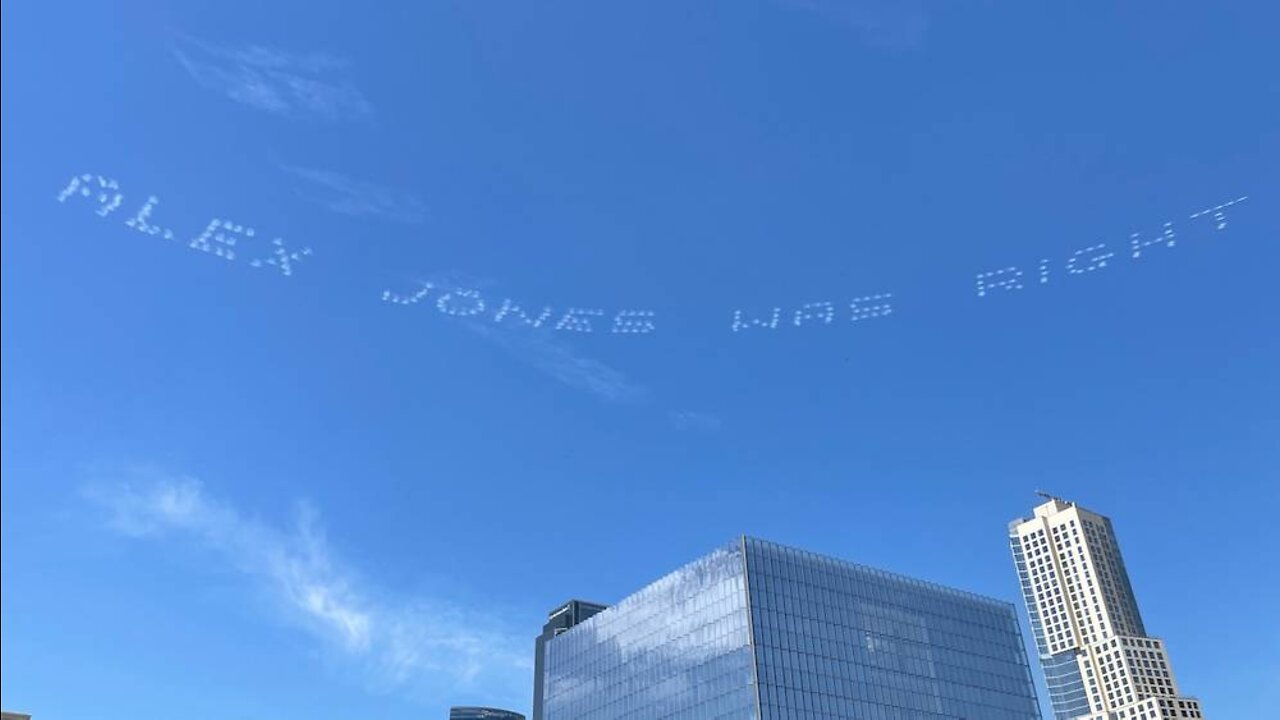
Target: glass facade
column 1066, row 688
column 760, row 631
column 837, row 640
column 677, row 649
column 1067, row 693
column 559, row 620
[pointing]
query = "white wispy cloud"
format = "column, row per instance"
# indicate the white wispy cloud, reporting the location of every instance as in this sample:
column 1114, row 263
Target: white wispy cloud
column 545, row 349
column 274, row 80
column 350, row 196
column 548, row 353
column 896, row 24
column 425, row 647
column 693, row 420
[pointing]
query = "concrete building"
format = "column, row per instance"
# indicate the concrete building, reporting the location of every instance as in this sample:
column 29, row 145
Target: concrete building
column 1098, row 660
column 758, row 631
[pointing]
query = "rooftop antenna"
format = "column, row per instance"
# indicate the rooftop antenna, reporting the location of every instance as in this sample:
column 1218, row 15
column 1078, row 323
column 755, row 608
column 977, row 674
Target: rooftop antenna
column 1049, row 496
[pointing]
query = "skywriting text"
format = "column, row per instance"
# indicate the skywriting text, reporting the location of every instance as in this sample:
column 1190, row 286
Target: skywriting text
column 471, row 303
column 228, row 241
column 220, row 238
column 1098, row 256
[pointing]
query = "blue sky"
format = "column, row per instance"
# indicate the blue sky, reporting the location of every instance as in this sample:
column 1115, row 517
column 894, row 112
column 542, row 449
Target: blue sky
column 229, row 491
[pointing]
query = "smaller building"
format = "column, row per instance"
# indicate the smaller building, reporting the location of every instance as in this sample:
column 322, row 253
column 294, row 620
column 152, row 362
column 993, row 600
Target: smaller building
column 482, row 713
column 1099, row 662
column 559, row 620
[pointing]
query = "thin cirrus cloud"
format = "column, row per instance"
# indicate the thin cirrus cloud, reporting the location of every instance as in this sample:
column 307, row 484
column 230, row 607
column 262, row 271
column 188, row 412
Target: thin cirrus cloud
column 423, row 647
column 549, row 354
column 696, row 421
column 542, row 348
column 358, row 198
column 890, row 24
column 273, row 80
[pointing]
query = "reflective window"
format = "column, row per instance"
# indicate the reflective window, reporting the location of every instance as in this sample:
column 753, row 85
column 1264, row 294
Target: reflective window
column 839, row 640
column 757, row 630
column 677, row 649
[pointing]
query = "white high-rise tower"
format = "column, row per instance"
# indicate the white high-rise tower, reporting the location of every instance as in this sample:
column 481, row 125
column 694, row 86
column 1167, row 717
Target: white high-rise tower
column 1098, row 660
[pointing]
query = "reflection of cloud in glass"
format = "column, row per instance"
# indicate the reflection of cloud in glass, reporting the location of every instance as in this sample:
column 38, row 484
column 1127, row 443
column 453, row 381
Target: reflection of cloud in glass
column 690, row 623
column 273, row 80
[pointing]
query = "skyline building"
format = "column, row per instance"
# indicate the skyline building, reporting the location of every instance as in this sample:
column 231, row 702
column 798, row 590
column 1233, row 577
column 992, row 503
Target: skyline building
column 1099, row 663
column 759, row 631
column 559, row 620
column 482, row 713
column 461, row 712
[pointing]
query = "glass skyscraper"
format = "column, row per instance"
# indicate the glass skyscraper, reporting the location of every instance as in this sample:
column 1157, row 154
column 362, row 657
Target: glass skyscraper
column 758, row 631
column 559, row 620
